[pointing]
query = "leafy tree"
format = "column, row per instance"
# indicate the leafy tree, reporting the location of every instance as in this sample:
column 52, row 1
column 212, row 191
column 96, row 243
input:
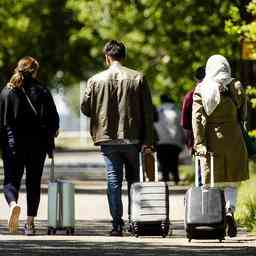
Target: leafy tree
column 242, row 24
column 167, row 40
column 39, row 28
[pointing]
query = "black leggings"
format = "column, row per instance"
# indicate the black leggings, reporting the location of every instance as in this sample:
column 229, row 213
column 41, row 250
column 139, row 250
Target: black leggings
column 33, row 160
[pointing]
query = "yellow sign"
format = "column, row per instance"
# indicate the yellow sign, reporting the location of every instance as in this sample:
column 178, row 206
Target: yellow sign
column 248, row 50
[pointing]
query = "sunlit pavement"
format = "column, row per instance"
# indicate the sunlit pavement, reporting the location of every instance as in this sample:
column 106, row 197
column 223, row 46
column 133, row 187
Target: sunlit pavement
column 93, row 225
column 92, row 239
column 93, row 222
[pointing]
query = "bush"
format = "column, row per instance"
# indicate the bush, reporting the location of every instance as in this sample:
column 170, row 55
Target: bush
column 187, row 174
column 246, row 201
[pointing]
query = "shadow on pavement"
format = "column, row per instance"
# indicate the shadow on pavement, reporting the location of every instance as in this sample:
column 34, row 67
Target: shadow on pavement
column 88, row 228
column 94, row 248
column 92, row 239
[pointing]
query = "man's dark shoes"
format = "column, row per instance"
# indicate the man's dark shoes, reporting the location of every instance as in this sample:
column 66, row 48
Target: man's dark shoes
column 117, row 229
column 231, row 224
column 116, row 232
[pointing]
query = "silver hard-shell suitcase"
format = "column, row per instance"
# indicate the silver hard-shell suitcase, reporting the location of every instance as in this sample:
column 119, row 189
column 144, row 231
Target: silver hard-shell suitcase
column 149, row 206
column 61, row 204
column 205, row 208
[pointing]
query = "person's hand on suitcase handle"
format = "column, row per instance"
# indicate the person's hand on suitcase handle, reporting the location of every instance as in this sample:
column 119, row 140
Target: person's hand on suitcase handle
column 201, row 150
column 147, row 149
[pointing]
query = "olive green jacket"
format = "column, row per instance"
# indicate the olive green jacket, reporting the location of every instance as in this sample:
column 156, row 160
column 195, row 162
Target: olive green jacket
column 221, row 133
column 119, row 103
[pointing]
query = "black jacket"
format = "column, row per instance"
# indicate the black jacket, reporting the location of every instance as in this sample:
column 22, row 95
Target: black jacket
column 18, row 122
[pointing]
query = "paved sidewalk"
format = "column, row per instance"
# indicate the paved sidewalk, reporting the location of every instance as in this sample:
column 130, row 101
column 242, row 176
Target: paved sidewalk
column 86, row 170
column 91, row 202
column 93, row 224
column 92, row 239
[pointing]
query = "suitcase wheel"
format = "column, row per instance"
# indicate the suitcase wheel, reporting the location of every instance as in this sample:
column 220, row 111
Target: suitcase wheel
column 164, row 229
column 221, row 239
column 130, row 228
column 135, row 229
column 164, row 233
column 70, row 231
column 51, row 231
column 189, row 237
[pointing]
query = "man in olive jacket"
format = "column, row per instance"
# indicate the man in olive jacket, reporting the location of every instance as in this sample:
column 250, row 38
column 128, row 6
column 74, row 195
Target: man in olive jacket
column 118, row 101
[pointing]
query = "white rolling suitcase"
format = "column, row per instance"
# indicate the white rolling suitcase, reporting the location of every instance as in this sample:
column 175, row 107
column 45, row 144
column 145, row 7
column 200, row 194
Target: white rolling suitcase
column 61, row 205
column 149, row 205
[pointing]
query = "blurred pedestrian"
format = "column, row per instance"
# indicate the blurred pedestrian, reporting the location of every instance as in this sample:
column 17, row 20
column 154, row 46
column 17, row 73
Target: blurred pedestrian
column 217, row 101
column 186, row 113
column 170, row 137
column 28, row 123
column 118, row 101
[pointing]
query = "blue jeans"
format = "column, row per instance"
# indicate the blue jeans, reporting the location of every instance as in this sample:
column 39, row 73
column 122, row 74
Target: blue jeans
column 116, row 157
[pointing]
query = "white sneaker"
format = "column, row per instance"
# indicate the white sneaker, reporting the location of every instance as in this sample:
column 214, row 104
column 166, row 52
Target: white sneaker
column 14, row 218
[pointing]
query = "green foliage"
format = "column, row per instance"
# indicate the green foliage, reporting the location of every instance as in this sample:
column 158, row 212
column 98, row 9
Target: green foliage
column 243, row 25
column 251, row 92
column 233, row 24
column 167, row 40
column 39, row 28
column 238, row 26
column 246, row 201
column 187, row 174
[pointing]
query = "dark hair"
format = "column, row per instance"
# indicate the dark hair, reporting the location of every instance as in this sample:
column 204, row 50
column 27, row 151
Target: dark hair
column 25, row 68
column 200, row 73
column 116, row 50
column 165, row 98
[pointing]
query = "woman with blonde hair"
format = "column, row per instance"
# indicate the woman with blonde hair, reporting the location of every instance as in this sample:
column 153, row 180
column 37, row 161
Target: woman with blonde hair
column 219, row 102
column 28, row 123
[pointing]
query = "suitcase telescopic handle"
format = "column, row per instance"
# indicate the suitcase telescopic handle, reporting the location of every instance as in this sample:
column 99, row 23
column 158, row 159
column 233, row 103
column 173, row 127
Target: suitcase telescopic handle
column 198, row 168
column 52, row 179
column 141, row 167
column 156, row 168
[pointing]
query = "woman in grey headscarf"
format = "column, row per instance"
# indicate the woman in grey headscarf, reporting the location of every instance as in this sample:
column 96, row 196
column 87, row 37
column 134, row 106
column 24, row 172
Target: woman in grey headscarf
column 218, row 103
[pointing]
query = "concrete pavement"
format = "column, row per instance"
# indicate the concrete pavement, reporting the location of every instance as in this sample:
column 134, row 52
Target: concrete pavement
column 93, row 224
column 91, row 202
column 86, row 170
column 92, row 240
column 97, row 246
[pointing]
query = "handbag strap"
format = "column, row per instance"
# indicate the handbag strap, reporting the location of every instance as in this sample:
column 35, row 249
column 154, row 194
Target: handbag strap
column 29, row 101
column 243, row 120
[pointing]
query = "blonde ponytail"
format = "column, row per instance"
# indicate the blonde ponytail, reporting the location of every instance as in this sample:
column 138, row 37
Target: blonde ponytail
column 16, row 80
column 26, row 67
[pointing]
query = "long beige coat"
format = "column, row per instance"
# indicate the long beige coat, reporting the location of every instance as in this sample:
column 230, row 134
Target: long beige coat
column 221, row 133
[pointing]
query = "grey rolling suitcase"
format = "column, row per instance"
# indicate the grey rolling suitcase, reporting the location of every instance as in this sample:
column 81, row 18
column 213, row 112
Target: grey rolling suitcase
column 149, row 206
column 205, row 208
column 61, row 205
